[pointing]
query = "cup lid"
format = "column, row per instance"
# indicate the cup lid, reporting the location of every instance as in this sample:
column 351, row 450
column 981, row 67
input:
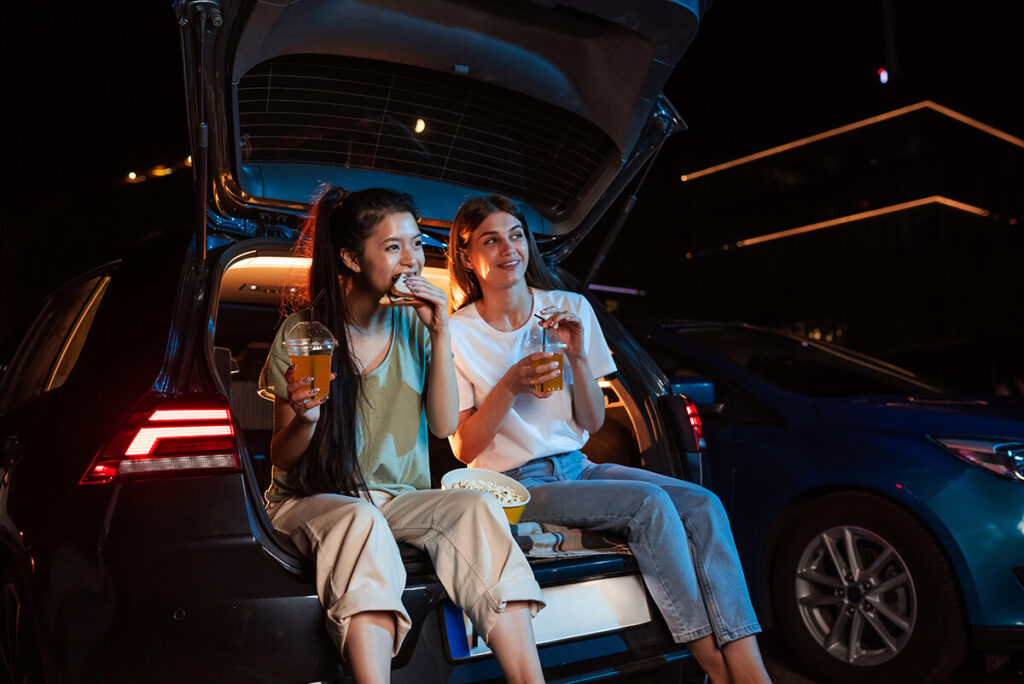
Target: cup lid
column 550, row 345
column 311, row 332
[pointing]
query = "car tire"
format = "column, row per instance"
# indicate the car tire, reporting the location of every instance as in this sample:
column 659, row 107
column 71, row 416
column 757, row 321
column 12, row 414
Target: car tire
column 864, row 594
column 20, row 661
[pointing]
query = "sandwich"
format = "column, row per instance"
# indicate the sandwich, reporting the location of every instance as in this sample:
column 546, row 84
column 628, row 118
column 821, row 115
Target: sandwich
column 399, row 293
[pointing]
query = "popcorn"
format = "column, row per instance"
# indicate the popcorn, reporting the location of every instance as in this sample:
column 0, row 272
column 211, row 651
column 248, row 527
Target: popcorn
column 505, row 495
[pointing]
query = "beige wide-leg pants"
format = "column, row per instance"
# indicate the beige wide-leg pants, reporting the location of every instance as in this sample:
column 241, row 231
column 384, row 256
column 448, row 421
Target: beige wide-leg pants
column 359, row 567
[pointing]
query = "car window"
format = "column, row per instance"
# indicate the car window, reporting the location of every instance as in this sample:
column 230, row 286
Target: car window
column 48, row 353
column 806, row 367
column 731, row 404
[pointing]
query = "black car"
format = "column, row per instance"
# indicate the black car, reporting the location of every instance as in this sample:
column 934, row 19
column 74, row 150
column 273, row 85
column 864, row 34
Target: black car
column 135, row 546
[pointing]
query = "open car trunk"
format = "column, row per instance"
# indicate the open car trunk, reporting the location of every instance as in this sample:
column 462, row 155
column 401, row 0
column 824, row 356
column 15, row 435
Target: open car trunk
column 593, row 589
column 556, row 105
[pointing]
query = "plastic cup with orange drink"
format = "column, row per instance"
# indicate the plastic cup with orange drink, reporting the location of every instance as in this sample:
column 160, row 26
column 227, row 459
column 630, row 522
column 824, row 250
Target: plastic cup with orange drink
column 557, row 350
column 310, row 346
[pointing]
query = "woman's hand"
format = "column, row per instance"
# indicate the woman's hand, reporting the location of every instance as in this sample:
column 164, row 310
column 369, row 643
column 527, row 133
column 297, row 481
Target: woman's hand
column 524, row 378
column 569, row 329
column 431, row 303
column 299, row 396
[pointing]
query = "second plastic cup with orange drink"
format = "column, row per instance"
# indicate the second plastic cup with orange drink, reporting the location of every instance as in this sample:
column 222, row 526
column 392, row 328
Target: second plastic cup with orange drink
column 310, row 346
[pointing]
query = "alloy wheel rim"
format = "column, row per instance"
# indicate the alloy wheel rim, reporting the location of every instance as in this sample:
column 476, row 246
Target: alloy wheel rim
column 856, row 596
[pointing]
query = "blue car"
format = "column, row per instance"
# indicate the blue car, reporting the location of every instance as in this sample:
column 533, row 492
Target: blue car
column 879, row 516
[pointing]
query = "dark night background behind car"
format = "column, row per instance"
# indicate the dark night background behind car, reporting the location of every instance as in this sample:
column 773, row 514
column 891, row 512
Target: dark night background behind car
column 93, row 92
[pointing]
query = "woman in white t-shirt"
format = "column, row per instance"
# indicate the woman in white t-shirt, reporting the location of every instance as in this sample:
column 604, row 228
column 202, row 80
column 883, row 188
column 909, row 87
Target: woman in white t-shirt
column 678, row 531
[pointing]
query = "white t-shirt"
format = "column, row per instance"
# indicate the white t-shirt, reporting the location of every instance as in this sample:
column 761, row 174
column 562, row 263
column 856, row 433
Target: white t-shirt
column 534, row 427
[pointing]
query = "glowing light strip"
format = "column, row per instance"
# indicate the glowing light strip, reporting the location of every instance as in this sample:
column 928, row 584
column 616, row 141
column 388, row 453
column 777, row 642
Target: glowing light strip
column 147, row 437
column 150, row 465
column 297, row 263
column 926, row 104
column 902, row 206
column 1012, row 139
column 190, row 414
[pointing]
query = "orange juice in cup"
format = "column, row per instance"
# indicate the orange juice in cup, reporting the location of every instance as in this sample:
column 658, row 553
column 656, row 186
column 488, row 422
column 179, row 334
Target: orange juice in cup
column 557, row 350
column 310, row 346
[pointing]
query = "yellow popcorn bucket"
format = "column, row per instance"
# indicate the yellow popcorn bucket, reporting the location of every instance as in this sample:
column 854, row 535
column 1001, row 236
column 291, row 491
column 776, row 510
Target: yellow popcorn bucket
column 490, row 481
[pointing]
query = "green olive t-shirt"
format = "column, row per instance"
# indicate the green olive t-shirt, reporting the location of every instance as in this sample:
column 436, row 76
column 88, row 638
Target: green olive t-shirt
column 391, row 426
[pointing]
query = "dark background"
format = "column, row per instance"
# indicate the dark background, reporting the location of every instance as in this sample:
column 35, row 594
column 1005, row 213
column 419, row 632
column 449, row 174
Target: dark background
column 92, row 92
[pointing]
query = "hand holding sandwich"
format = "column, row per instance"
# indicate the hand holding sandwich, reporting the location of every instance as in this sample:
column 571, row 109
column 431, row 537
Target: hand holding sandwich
column 431, row 303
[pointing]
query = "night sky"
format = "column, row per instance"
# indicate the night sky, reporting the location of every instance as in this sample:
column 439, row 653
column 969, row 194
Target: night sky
column 91, row 94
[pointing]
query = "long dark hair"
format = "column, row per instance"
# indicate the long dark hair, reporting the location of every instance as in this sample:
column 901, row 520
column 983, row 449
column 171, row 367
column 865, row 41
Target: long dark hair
column 339, row 220
column 464, row 284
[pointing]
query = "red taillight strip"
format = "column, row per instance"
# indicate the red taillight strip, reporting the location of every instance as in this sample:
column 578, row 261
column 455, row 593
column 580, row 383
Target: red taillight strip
column 189, row 414
column 696, row 425
column 146, row 438
column 170, row 437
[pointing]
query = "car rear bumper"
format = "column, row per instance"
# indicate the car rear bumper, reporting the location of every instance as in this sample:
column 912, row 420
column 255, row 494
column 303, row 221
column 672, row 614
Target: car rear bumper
column 197, row 594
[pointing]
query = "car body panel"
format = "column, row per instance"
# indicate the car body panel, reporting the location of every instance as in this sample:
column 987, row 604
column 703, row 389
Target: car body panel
column 765, row 472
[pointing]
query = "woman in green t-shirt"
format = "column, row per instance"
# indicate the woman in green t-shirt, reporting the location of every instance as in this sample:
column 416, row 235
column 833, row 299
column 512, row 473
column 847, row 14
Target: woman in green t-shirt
column 351, row 470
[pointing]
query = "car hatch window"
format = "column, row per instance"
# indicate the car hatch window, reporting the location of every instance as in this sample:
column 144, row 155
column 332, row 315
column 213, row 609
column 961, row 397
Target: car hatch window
column 50, row 350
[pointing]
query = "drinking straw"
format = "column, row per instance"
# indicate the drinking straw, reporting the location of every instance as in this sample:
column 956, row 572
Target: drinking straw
column 313, row 304
column 543, row 334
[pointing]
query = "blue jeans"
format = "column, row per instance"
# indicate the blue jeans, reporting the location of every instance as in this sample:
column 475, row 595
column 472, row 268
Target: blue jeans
column 678, row 531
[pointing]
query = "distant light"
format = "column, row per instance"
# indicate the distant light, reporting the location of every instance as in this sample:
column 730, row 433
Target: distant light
column 188, row 160
column 161, row 170
column 135, row 177
column 421, row 125
column 616, row 288
column 841, row 130
column 131, row 175
column 883, row 76
column 254, row 287
column 1013, row 222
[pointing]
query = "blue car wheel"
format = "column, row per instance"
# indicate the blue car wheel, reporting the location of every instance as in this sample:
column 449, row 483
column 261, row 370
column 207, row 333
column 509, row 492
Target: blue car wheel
column 865, row 594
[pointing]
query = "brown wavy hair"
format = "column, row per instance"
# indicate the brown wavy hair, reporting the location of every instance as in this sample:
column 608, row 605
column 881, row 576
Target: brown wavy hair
column 465, row 288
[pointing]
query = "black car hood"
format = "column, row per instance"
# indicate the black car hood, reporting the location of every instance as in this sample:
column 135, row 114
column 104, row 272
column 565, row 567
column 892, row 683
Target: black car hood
column 589, row 68
column 926, row 414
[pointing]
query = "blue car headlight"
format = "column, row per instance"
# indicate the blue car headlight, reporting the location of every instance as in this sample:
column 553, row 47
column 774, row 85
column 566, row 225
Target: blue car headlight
column 1001, row 457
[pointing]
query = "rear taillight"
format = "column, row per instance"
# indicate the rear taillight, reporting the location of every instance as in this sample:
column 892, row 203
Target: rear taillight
column 695, row 425
column 166, row 437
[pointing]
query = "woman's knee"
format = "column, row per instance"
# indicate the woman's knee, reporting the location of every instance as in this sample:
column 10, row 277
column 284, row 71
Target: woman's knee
column 704, row 505
column 470, row 507
column 652, row 510
column 350, row 514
